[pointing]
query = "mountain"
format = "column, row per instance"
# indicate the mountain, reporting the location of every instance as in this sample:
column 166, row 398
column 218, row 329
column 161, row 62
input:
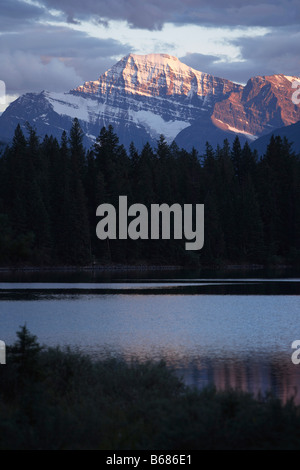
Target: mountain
column 145, row 96
column 292, row 133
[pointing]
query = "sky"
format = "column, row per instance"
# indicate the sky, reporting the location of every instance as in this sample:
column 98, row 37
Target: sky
column 56, row 45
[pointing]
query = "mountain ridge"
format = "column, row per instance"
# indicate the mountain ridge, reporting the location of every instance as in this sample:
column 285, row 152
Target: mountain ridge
column 291, row 133
column 143, row 96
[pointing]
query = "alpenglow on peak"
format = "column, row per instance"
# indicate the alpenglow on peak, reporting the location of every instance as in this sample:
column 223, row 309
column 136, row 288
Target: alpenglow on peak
column 155, row 75
column 144, row 96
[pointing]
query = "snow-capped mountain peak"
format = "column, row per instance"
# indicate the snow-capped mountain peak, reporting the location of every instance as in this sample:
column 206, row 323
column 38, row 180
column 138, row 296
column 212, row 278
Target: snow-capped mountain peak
column 143, row 96
column 154, row 75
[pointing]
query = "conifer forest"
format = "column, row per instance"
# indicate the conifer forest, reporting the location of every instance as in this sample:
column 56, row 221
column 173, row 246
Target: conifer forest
column 50, row 189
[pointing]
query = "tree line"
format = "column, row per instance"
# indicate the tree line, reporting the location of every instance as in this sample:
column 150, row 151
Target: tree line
column 49, row 192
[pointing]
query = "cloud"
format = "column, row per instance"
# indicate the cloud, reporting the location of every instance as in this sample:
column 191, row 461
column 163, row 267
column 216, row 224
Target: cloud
column 275, row 52
column 276, row 47
column 153, row 14
column 237, row 71
column 24, row 72
column 54, row 58
column 149, row 15
column 37, row 55
column 16, row 15
column 239, row 13
column 202, row 62
column 60, row 42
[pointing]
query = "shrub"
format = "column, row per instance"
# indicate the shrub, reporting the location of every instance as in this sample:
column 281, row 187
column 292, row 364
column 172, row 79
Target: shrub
column 52, row 398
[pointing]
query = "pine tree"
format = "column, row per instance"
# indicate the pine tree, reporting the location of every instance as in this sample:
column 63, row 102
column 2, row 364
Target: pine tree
column 79, row 246
column 106, row 150
column 144, row 188
column 226, row 188
column 15, row 185
column 36, row 211
column 58, row 197
column 164, row 170
column 236, row 156
column 25, row 353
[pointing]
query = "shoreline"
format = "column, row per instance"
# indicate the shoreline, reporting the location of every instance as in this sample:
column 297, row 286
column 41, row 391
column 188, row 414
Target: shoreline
column 110, row 267
column 141, row 267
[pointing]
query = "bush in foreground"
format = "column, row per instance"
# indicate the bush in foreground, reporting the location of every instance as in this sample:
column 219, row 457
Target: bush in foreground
column 62, row 399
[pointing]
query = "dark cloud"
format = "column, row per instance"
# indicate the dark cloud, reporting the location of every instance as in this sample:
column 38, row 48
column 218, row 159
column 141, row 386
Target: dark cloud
column 237, row 71
column 15, row 14
column 239, row 13
column 149, row 15
column 20, row 9
column 54, row 58
column 275, row 46
column 36, row 56
column 60, row 42
column 274, row 53
column 202, row 62
column 153, row 14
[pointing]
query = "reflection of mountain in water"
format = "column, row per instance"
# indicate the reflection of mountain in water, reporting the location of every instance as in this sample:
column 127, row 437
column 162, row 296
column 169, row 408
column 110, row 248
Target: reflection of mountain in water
column 255, row 375
column 233, row 332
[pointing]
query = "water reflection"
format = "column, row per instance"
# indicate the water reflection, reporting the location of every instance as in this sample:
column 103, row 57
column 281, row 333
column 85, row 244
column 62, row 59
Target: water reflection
column 256, row 375
column 234, row 332
column 138, row 274
column 46, row 290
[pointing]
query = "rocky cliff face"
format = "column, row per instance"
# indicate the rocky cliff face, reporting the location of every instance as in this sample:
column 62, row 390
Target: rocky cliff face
column 145, row 96
column 157, row 75
column 264, row 104
column 157, row 92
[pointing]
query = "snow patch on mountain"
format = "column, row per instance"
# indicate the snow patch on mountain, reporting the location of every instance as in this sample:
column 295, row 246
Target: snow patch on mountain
column 155, row 124
column 238, row 131
column 227, row 127
column 83, row 108
column 143, row 96
column 292, row 78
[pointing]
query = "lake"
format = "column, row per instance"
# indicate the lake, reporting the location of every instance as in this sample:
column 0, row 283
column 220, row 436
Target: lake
column 230, row 329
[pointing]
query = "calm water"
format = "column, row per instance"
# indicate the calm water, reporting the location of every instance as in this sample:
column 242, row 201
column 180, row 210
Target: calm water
column 230, row 330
